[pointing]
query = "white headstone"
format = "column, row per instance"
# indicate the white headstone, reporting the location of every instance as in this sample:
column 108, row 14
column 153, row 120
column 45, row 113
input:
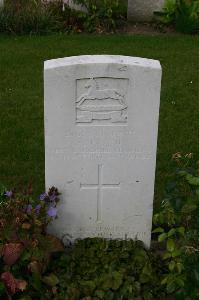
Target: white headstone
column 101, row 124
column 143, row 10
column 75, row 6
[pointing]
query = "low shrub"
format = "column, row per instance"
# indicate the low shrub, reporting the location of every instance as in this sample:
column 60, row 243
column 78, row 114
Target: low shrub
column 108, row 269
column 25, row 247
column 26, row 17
column 43, row 17
column 178, row 230
column 102, row 15
column 182, row 14
column 37, row 17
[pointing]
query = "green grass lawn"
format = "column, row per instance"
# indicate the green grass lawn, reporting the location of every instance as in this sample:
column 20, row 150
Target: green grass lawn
column 21, row 97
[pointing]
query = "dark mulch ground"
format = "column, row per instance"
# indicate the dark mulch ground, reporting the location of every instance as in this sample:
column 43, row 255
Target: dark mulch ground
column 148, row 29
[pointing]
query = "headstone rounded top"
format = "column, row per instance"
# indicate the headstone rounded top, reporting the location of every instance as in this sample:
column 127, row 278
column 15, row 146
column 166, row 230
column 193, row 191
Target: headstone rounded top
column 101, row 59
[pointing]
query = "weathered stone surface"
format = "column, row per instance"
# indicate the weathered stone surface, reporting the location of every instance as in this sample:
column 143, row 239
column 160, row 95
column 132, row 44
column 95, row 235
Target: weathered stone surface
column 142, row 10
column 74, row 5
column 101, row 123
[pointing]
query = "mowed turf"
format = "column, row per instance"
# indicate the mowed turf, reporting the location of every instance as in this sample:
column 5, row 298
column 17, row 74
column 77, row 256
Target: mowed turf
column 21, row 97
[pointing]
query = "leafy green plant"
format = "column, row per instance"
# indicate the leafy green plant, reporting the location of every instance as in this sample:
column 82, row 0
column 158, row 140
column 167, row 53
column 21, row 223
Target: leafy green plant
column 167, row 16
column 183, row 14
column 25, row 247
column 187, row 16
column 100, row 15
column 96, row 268
column 178, row 230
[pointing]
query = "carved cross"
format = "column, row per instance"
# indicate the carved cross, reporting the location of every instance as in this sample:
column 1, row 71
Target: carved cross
column 100, row 186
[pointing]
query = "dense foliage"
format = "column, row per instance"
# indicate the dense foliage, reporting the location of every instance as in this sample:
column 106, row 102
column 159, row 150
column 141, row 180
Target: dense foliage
column 102, row 14
column 25, row 247
column 42, row 16
column 178, row 230
column 108, row 269
column 183, row 14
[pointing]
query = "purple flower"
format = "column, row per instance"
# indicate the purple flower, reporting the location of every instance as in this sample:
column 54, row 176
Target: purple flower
column 53, row 197
column 52, row 211
column 8, row 194
column 37, row 208
column 43, row 196
column 29, row 208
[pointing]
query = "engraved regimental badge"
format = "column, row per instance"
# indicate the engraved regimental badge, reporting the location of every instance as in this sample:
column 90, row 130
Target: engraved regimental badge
column 101, row 100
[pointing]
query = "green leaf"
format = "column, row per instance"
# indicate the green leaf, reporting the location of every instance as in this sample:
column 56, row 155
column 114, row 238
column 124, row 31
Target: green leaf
column 171, row 232
column 188, row 208
column 155, row 219
column 2, row 288
column 88, row 284
column 158, row 230
column 170, row 245
column 25, row 297
column 181, row 230
column 164, row 281
column 117, row 280
column 144, row 278
column 51, row 280
column 176, row 253
column 180, row 282
column 172, row 265
column 2, row 189
column 99, row 294
column 179, row 267
column 73, row 293
column 162, row 237
column 148, row 296
column 35, row 281
column 182, row 173
column 192, row 180
column 167, row 255
column 106, row 281
column 171, row 287
column 25, row 255
column 109, row 295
